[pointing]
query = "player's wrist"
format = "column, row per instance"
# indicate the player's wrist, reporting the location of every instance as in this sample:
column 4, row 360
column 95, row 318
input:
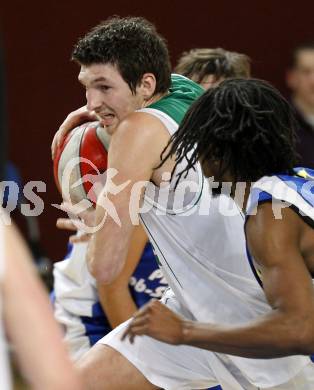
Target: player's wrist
column 187, row 331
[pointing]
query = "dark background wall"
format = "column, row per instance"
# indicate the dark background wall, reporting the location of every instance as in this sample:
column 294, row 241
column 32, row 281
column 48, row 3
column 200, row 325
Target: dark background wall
column 42, row 87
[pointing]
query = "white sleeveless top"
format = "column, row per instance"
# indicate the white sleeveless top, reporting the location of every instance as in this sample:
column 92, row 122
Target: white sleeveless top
column 203, row 257
column 5, row 379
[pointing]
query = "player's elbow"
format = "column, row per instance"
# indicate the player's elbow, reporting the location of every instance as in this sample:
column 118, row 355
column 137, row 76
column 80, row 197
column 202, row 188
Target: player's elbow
column 305, row 340
column 301, row 337
column 103, row 274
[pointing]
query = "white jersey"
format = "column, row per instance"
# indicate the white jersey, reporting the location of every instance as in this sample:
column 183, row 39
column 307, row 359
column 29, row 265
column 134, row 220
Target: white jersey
column 283, row 191
column 200, row 243
column 5, row 379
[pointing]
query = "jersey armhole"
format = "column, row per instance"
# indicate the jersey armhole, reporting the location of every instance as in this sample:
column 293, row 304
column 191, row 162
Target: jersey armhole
column 309, row 221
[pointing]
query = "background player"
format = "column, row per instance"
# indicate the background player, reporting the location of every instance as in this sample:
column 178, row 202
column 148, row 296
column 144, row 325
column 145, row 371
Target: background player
column 88, row 310
column 300, row 80
column 208, row 67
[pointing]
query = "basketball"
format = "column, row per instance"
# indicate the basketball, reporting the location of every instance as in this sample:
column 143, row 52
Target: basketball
column 81, row 161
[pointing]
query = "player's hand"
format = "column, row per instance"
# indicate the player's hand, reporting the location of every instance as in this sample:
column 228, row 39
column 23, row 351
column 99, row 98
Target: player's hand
column 73, row 120
column 78, row 221
column 157, row 321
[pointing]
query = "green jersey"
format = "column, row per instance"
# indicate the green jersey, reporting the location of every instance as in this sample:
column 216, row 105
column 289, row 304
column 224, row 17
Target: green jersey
column 182, row 93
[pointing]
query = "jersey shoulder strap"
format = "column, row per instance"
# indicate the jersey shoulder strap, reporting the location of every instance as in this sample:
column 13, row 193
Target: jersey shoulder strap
column 182, row 93
column 296, row 190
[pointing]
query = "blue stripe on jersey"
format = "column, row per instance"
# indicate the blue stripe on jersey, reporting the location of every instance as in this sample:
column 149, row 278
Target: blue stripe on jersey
column 69, row 251
column 253, row 268
column 52, row 297
column 147, row 281
column 96, row 326
column 263, row 196
column 257, row 196
column 297, row 182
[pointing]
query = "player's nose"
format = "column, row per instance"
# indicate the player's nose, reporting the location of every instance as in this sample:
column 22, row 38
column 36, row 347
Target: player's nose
column 94, row 100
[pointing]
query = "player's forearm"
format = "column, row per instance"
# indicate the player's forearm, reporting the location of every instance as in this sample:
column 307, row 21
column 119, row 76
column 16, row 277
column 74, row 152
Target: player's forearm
column 275, row 336
column 106, row 256
column 118, row 304
column 108, row 248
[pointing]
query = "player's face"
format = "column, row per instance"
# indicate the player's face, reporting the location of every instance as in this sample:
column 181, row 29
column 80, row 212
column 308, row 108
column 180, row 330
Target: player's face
column 108, row 94
column 211, row 168
column 301, row 79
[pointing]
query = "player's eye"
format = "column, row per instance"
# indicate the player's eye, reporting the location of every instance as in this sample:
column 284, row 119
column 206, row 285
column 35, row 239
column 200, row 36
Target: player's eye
column 104, row 88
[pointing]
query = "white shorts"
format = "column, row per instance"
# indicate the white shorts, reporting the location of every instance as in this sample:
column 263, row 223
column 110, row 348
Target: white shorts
column 184, row 368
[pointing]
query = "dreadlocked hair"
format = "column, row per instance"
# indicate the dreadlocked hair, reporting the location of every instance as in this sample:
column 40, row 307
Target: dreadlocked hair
column 244, row 125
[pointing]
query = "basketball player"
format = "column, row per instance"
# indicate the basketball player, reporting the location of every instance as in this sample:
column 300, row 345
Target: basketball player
column 253, row 144
column 79, row 307
column 209, row 67
column 28, row 321
column 124, row 68
column 88, row 310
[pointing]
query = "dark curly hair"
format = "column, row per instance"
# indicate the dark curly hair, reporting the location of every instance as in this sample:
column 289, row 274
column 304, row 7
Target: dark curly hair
column 133, row 45
column 243, row 124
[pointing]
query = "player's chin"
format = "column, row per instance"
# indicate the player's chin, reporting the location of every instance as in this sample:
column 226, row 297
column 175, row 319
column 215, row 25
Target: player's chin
column 111, row 128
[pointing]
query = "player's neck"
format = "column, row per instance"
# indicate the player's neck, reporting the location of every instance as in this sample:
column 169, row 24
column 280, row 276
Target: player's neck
column 240, row 193
column 153, row 99
column 304, row 107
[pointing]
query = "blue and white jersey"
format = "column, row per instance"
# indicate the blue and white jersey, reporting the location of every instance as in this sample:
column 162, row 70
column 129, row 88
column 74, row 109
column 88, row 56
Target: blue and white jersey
column 76, row 302
column 294, row 191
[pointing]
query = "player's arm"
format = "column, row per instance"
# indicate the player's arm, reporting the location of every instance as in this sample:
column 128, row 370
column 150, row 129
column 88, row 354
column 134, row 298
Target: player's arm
column 286, row 330
column 134, row 152
column 30, row 324
column 115, row 298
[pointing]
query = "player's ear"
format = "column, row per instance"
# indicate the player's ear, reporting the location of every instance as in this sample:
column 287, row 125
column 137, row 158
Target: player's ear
column 148, row 85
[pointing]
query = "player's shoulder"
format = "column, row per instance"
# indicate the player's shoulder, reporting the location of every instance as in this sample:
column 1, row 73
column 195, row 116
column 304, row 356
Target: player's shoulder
column 140, row 127
column 141, row 119
column 296, row 188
